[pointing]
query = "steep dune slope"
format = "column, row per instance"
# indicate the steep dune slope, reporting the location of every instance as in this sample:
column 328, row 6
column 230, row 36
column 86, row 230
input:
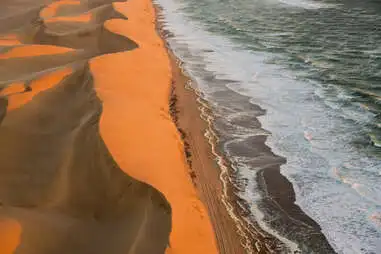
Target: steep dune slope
column 60, row 189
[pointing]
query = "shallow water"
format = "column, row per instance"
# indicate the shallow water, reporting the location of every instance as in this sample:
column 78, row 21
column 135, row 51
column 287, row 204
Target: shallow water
column 314, row 68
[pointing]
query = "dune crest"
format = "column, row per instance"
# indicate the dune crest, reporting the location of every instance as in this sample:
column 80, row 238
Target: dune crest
column 51, row 9
column 33, row 50
column 60, row 188
column 135, row 89
column 20, row 94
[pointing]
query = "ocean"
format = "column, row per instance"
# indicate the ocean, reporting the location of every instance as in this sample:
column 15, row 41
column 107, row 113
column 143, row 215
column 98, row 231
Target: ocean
column 294, row 87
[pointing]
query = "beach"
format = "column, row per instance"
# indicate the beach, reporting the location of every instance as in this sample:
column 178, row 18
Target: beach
column 290, row 91
column 103, row 149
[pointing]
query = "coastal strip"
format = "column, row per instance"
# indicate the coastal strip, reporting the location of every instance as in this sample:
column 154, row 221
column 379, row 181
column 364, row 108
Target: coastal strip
column 204, row 169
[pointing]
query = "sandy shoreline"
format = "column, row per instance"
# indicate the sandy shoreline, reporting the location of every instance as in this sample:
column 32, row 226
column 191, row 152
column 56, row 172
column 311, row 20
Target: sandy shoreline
column 233, row 233
column 279, row 193
column 204, row 170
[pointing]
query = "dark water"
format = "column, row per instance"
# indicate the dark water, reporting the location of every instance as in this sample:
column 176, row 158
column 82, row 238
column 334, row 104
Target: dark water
column 310, row 72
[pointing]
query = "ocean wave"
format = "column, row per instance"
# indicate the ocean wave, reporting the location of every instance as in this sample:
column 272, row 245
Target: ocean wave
column 295, row 110
column 311, row 4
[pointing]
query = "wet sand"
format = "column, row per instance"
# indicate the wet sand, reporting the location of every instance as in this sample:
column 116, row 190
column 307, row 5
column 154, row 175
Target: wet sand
column 203, row 169
column 277, row 191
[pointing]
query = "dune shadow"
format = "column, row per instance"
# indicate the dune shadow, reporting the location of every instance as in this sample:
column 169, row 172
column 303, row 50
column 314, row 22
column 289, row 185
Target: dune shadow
column 57, row 177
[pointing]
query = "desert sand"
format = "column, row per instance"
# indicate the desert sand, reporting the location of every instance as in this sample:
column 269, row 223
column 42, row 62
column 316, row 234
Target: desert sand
column 91, row 160
column 137, row 127
column 61, row 191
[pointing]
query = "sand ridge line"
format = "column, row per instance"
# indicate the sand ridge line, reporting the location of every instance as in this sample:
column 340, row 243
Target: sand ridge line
column 34, row 50
column 9, row 40
column 85, row 18
column 51, row 10
column 143, row 76
column 103, row 205
column 18, row 97
column 51, row 143
column 50, row 13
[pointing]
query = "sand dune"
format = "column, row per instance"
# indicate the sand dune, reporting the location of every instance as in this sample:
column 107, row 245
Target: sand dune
column 60, row 189
column 149, row 135
column 90, row 160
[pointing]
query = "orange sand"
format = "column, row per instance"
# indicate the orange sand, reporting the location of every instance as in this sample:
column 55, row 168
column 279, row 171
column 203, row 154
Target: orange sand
column 10, row 231
column 17, row 97
column 9, row 40
column 34, row 50
column 86, row 17
column 12, row 89
column 51, row 10
column 137, row 128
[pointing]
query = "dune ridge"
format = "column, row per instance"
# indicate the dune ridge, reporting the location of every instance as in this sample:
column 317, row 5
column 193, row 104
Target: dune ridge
column 90, row 159
column 61, row 191
column 150, row 135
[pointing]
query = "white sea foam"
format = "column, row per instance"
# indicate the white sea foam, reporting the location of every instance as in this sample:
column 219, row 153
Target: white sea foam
column 307, row 4
column 311, row 133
